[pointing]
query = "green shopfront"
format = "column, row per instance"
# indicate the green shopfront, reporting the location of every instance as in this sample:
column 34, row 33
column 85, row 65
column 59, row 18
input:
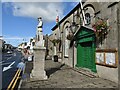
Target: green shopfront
column 85, row 41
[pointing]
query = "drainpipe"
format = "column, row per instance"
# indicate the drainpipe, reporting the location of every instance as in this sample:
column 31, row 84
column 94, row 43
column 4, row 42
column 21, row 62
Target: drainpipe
column 73, row 54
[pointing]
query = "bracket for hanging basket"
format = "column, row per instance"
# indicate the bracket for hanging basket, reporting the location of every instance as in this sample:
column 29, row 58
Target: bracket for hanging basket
column 70, row 36
column 55, row 41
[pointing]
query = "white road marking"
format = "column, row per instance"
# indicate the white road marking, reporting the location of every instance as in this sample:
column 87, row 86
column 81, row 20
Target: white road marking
column 8, row 67
column 14, row 54
column 9, row 58
column 2, row 62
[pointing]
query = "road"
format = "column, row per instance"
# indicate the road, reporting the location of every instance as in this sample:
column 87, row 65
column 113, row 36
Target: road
column 9, row 66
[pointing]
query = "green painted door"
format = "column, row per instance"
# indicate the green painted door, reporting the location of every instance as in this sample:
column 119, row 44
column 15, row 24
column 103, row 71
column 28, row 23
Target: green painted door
column 86, row 55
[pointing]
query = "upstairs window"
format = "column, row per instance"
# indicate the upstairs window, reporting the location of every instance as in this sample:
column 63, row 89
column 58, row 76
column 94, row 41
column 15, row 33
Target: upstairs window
column 88, row 18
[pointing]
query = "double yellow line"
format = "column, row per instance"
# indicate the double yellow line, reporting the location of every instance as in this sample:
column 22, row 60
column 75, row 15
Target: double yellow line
column 14, row 80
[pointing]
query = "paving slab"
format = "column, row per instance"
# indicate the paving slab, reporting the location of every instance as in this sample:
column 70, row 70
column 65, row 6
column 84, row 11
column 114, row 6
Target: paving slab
column 63, row 76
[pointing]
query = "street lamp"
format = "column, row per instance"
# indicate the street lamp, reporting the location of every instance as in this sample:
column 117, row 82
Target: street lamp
column 72, row 29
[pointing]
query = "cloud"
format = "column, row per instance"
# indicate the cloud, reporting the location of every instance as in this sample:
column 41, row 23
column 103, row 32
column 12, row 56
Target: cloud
column 36, row 9
column 35, row 0
column 40, row 0
column 8, row 37
column 15, row 40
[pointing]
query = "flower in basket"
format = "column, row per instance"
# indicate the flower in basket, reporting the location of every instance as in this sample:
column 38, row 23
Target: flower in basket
column 100, row 26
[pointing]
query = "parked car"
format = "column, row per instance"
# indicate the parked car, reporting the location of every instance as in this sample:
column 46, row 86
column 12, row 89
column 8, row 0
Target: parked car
column 9, row 52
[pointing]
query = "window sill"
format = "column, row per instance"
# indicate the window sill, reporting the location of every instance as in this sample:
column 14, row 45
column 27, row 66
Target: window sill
column 106, row 65
column 65, row 56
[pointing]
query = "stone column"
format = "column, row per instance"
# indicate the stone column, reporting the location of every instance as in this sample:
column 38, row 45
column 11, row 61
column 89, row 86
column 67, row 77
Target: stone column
column 38, row 71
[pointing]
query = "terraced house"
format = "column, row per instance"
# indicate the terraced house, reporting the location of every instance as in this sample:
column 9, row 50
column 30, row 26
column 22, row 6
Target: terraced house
column 93, row 46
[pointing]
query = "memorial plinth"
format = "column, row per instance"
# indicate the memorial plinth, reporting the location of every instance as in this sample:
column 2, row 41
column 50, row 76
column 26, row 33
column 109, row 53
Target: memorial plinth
column 38, row 71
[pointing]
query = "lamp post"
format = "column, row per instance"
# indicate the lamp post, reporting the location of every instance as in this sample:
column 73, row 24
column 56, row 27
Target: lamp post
column 57, row 21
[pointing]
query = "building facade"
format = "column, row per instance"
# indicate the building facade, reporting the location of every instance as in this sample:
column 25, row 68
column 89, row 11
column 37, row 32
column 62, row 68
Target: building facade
column 106, row 43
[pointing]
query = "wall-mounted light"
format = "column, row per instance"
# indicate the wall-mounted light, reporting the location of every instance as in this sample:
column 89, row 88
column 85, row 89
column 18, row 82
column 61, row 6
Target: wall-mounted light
column 73, row 27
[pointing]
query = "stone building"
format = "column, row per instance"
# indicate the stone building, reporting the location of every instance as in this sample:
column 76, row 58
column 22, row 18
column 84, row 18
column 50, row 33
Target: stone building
column 106, row 53
column 119, row 38
column 50, row 45
column 1, row 41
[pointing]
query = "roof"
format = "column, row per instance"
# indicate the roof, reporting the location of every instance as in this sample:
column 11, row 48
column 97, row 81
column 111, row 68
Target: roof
column 78, row 5
column 79, row 28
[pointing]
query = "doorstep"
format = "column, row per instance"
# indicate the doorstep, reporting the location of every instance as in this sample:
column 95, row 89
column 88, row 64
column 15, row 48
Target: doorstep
column 86, row 72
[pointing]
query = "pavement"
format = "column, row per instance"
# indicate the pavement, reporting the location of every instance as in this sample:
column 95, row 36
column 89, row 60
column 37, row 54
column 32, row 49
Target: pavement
column 63, row 76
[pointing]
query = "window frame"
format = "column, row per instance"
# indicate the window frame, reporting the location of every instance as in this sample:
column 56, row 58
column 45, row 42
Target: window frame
column 66, row 45
column 105, row 51
column 88, row 23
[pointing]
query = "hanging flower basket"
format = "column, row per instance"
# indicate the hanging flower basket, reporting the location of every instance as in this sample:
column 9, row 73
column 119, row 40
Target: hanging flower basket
column 70, row 36
column 100, row 27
